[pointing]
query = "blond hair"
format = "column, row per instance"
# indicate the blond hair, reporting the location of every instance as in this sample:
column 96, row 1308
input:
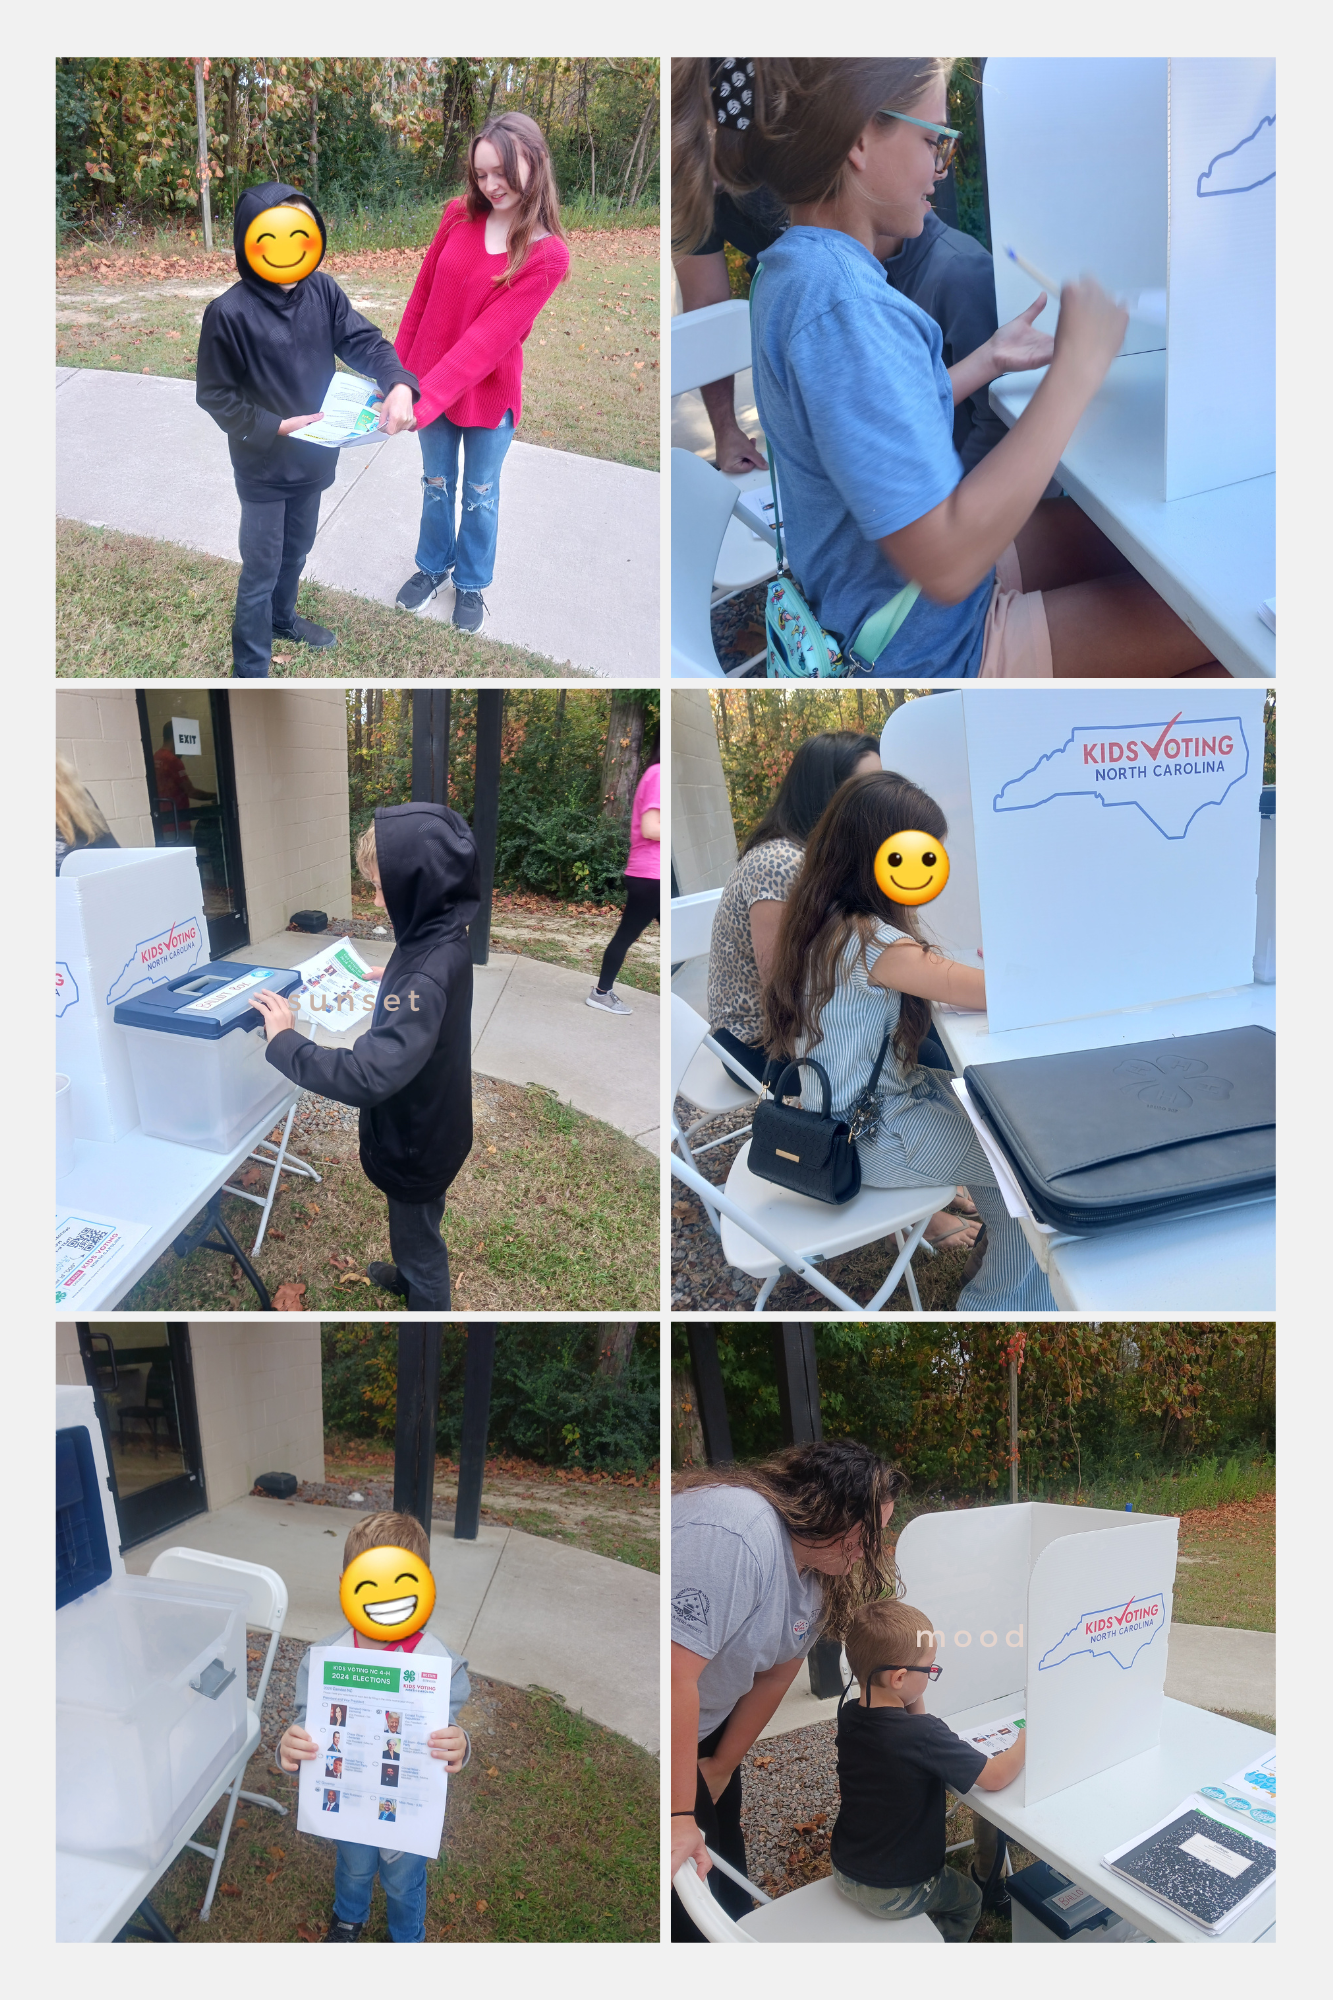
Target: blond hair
column 77, row 812
column 387, row 1531
column 887, row 1634
column 367, row 861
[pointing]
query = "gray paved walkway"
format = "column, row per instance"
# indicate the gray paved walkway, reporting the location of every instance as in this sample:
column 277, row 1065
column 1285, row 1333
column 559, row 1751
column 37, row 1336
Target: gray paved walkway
column 517, row 1607
column 578, row 567
column 530, row 1025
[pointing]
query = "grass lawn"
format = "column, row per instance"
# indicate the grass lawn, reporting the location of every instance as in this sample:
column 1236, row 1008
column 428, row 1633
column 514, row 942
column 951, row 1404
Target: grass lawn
column 1226, row 1570
column 552, row 1212
column 570, row 934
column 591, row 363
column 550, row 1835
column 127, row 605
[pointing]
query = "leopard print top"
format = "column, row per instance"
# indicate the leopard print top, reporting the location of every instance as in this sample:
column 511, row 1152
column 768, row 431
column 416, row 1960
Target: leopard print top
column 766, row 874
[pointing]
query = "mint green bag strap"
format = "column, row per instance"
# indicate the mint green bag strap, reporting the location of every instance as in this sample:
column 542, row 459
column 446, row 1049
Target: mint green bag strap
column 881, row 625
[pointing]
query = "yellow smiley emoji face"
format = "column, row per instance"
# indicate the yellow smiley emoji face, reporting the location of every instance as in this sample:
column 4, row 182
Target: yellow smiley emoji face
column 283, row 244
column 911, row 868
column 387, row 1593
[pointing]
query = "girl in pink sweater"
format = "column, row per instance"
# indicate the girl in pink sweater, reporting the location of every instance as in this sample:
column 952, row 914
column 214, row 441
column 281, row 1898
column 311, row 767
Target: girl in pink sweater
column 498, row 255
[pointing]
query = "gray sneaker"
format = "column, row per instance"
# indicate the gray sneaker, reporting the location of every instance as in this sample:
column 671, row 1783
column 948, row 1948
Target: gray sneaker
column 610, row 1003
column 469, row 610
column 420, row 587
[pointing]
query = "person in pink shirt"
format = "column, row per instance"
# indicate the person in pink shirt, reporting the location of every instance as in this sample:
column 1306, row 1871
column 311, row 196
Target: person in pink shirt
column 498, row 255
column 643, row 884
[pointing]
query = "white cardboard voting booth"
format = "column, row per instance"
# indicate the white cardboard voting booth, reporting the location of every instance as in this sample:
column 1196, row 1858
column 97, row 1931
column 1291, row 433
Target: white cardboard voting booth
column 1065, row 1611
column 126, row 919
column 1155, row 175
column 1103, row 842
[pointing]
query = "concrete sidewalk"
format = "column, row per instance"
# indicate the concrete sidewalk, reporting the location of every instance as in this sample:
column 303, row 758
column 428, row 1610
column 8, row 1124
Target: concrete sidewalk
column 517, row 1607
column 530, row 1025
column 1210, row 1666
column 578, row 567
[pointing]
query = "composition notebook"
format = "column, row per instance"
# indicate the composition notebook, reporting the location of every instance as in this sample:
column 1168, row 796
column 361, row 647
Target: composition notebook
column 1198, row 1864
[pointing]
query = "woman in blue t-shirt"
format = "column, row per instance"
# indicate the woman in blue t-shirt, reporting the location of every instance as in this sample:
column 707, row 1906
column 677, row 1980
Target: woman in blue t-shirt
column 858, row 407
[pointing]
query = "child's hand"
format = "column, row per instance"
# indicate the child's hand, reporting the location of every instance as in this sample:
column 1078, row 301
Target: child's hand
column 277, row 1014
column 1090, row 328
column 449, row 1745
column 396, row 410
column 291, row 424
column 1019, row 345
column 376, row 972
column 296, row 1747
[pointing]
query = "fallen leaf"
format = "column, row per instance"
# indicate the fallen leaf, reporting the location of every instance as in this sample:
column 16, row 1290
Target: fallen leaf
column 308, row 1934
column 493, row 1772
column 288, row 1298
column 276, row 1853
column 278, row 1234
column 481, row 1903
column 224, row 1888
column 279, row 659
column 762, row 1763
column 269, row 1880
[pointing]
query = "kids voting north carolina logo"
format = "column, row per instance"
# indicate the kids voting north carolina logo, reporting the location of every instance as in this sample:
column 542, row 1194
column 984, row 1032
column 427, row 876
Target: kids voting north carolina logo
column 1117, row 1632
column 1170, row 770
column 176, row 949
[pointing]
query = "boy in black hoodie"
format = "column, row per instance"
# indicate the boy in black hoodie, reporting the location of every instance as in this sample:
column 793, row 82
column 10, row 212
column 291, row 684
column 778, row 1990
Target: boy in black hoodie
column 266, row 353
column 411, row 1072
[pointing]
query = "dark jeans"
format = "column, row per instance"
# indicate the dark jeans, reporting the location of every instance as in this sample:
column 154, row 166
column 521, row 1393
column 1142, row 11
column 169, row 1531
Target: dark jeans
column 419, row 1251
column 276, row 537
column 748, row 1054
column 720, row 1825
column 643, row 906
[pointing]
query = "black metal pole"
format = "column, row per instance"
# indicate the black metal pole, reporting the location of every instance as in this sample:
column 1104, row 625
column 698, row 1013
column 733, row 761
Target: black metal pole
column 420, row 1345
column 798, row 1381
column 709, row 1393
column 431, row 710
column 477, row 1371
column 486, row 813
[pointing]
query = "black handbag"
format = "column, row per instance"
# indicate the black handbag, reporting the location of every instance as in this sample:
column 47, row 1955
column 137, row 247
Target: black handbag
column 812, row 1152
column 1102, row 1137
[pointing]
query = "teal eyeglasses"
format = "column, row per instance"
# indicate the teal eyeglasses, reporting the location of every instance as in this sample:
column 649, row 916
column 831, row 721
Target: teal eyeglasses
column 946, row 138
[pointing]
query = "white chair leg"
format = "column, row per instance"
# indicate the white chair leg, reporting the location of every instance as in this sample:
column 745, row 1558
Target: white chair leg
column 282, row 1163
column 902, row 1262
column 219, row 1853
column 713, row 1223
column 258, row 1799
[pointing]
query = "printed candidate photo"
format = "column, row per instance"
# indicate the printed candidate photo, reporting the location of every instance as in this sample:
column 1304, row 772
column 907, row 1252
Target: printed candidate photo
column 973, row 1632
column 359, row 988
column 955, row 366
column 925, row 1052
column 383, row 328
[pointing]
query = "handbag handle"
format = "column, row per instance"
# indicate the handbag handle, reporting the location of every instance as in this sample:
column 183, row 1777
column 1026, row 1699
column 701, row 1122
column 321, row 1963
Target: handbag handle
column 800, row 1063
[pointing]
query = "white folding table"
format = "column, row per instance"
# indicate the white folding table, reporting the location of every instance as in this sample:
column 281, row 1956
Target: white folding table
column 1222, row 1260
column 161, row 1184
column 1212, row 556
column 1073, row 1829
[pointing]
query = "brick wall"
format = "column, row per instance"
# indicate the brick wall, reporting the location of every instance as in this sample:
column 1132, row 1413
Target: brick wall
column 290, row 750
column 703, row 839
column 99, row 735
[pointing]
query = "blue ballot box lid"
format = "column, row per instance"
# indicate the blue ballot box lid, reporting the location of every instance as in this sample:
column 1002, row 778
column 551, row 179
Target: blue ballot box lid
column 209, row 1002
column 1055, row 1901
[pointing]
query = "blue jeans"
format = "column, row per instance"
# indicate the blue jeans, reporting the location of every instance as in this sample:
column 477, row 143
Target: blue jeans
column 469, row 552
column 951, row 1899
column 404, row 1880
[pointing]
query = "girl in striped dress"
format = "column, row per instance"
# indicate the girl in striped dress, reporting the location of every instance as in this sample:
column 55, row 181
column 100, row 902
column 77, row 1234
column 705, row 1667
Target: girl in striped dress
column 851, row 966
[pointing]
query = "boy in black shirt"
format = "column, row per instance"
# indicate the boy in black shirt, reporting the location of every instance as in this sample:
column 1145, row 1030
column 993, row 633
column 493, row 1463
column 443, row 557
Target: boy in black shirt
column 894, row 1762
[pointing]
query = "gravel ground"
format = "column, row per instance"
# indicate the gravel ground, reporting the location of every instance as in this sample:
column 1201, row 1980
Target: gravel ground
column 703, row 1281
column 738, row 629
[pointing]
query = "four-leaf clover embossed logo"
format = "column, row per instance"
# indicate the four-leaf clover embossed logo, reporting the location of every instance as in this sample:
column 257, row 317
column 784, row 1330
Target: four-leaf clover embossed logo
column 1172, row 1084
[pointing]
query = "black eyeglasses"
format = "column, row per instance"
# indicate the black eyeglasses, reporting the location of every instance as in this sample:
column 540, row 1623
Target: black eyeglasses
column 931, row 1673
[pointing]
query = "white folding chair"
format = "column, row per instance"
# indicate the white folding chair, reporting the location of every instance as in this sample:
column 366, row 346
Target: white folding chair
column 814, row 1914
column 282, row 1162
column 266, row 1609
column 697, row 1073
column 702, row 503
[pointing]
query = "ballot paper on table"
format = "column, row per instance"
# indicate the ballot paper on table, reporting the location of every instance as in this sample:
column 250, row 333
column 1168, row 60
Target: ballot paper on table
column 1199, row 1862
column 995, row 1736
column 348, row 417
column 336, row 990
column 374, row 1780
column 86, row 1248
column 1250, row 1793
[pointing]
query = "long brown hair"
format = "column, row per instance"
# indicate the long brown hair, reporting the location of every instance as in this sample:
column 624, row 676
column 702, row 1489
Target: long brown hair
column 807, row 114
column 836, row 896
column 820, row 1493
column 818, row 767
column 514, row 134
column 692, row 129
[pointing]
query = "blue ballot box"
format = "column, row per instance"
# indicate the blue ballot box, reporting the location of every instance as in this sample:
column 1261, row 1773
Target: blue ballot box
column 197, row 1055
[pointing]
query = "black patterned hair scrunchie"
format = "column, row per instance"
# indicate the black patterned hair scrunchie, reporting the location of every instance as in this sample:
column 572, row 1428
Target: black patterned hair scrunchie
column 733, row 90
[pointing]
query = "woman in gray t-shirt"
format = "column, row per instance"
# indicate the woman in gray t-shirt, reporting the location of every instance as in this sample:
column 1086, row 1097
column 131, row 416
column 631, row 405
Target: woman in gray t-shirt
column 765, row 1559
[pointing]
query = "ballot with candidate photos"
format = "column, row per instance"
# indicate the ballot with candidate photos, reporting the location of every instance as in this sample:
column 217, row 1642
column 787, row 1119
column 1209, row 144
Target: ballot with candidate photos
column 374, row 1779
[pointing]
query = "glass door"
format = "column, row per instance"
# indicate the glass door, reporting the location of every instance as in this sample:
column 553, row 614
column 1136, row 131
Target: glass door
column 142, row 1379
column 192, row 795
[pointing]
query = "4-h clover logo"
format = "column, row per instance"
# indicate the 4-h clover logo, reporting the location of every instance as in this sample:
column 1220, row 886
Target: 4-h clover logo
column 1161, row 1085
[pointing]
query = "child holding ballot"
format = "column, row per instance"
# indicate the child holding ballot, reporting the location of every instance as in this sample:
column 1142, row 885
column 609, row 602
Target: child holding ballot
column 376, row 1620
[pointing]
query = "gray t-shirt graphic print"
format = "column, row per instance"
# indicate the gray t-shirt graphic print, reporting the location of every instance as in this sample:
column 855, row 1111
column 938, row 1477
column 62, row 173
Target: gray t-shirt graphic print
column 737, row 1597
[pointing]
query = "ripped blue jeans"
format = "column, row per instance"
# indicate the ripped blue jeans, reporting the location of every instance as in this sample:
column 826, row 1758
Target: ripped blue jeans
column 468, row 550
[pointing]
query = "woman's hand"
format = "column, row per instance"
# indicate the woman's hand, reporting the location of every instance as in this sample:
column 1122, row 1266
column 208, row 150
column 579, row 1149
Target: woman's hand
column 1019, row 345
column 1090, row 329
column 395, row 411
column 296, row 1747
column 449, row 1746
column 290, row 424
column 686, row 1840
column 716, row 1776
column 278, row 1016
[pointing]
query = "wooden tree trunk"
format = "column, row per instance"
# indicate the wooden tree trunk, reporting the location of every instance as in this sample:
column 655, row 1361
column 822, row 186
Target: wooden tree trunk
column 620, row 764
column 314, row 136
column 687, row 1437
column 615, row 1344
